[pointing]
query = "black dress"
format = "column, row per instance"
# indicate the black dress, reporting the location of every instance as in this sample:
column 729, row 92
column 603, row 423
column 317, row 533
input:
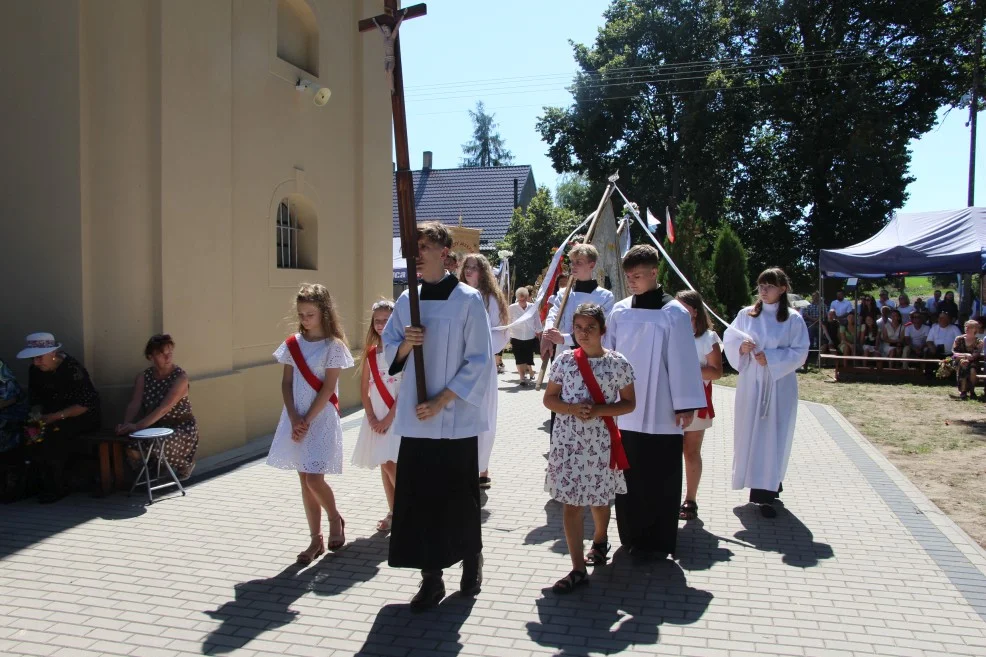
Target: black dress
column 67, row 385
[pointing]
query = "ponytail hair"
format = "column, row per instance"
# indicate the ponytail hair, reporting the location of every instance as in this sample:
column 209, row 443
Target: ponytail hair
column 774, row 276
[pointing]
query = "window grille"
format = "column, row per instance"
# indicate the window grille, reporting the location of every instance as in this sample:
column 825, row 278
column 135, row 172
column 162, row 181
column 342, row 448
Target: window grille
column 288, row 236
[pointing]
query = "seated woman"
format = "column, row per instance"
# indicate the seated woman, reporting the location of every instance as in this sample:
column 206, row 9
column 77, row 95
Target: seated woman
column 869, row 337
column 892, row 336
column 967, row 350
column 60, row 389
column 847, row 337
column 160, row 400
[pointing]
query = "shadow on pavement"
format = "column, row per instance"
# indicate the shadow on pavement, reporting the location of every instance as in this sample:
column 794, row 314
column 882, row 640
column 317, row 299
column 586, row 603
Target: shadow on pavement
column 552, row 529
column 624, row 605
column 262, row 605
column 436, row 631
column 785, row 534
column 32, row 522
column 699, row 549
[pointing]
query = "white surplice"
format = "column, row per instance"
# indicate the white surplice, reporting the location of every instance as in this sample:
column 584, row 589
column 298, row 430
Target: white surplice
column 766, row 397
column 599, row 295
column 499, row 340
column 660, row 346
column 457, row 355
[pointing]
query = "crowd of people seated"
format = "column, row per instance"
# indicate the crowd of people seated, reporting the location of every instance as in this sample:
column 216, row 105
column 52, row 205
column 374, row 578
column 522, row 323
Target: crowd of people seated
column 43, row 427
column 888, row 328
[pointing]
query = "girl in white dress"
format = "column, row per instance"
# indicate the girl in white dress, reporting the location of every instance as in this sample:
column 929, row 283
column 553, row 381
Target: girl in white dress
column 583, row 466
column 477, row 273
column 709, row 348
column 309, row 435
column 377, row 444
column 766, row 343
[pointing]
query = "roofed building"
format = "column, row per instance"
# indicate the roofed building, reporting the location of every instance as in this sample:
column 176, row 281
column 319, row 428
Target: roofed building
column 481, row 197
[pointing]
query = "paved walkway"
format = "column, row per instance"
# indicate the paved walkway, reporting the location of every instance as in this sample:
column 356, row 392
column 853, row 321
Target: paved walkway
column 859, row 562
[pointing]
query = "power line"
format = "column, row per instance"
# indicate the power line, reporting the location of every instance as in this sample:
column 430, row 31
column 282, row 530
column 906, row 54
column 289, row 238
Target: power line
column 751, row 76
column 660, row 70
column 682, row 92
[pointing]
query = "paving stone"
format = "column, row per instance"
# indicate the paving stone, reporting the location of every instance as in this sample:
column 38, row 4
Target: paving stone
column 213, row 572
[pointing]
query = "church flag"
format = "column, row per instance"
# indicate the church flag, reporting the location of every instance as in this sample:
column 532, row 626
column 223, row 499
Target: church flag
column 667, row 216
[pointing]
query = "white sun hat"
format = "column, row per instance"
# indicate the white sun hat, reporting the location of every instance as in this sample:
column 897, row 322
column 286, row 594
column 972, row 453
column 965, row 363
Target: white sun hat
column 39, row 344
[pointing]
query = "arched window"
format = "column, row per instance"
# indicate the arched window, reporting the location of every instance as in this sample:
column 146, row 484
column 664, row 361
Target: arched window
column 297, row 35
column 296, row 234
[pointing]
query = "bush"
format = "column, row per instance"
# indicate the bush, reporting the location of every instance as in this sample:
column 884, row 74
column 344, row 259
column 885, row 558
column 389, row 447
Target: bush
column 732, row 278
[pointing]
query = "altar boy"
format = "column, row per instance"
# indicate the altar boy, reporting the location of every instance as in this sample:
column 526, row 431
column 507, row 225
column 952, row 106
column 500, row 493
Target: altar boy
column 558, row 328
column 654, row 333
column 436, row 519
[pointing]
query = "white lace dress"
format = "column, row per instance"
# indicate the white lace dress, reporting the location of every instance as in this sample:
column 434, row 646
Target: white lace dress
column 320, row 451
column 372, row 448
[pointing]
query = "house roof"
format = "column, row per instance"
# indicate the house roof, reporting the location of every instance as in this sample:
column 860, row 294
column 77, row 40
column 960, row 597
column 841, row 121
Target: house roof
column 482, row 196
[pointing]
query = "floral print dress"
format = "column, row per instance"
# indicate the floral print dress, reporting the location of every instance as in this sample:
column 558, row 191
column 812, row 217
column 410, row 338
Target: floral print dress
column 181, row 446
column 578, row 461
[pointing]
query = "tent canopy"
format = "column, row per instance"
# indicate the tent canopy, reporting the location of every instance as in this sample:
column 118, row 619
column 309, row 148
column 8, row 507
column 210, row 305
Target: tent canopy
column 917, row 244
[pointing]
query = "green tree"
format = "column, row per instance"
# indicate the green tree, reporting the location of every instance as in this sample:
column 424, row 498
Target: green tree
column 487, row 148
column 534, row 232
column 788, row 118
column 732, row 277
column 689, row 252
column 577, row 193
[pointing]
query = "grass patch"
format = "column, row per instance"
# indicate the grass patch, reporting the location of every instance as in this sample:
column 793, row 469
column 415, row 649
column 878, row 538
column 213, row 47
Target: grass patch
column 938, row 441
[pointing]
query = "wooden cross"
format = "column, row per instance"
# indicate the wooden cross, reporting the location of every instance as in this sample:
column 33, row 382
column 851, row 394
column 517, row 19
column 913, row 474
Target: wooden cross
column 391, row 20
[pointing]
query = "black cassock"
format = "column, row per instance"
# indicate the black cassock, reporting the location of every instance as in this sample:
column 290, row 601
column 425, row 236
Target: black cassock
column 436, row 519
column 647, row 515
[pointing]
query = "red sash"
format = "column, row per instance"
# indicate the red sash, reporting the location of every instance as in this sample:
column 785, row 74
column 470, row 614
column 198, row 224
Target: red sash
column 617, row 456
column 371, row 358
column 708, row 412
column 299, row 362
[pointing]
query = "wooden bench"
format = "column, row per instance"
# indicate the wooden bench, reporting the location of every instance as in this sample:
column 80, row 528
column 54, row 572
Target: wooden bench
column 111, row 459
column 848, row 365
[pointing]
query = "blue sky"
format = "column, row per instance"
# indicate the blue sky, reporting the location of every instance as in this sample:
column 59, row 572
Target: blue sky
column 515, row 57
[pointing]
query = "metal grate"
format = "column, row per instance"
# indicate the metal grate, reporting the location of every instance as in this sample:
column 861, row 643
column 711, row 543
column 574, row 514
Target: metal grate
column 287, row 235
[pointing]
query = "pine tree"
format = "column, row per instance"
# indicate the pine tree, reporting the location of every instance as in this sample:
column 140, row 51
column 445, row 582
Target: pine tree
column 487, row 148
column 690, row 252
column 729, row 262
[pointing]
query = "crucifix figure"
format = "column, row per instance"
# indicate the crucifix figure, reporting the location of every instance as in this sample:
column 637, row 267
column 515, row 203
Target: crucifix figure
column 436, row 519
column 389, row 37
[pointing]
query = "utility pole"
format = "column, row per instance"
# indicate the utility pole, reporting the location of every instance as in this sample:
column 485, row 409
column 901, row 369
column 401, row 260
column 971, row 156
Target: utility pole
column 974, row 106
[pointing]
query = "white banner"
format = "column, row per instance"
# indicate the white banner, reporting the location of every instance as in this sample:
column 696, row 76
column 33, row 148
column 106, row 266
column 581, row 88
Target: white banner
column 548, row 277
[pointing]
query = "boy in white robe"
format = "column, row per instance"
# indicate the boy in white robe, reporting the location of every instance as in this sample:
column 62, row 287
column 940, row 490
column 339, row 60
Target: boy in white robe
column 436, row 519
column 654, row 332
column 557, row 335
column 767, row 343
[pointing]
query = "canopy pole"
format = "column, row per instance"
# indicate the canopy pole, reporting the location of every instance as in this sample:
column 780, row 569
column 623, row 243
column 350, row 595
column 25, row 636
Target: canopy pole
column 821, row 295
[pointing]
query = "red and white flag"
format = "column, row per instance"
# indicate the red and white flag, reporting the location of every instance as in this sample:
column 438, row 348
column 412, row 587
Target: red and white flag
column 667, row 217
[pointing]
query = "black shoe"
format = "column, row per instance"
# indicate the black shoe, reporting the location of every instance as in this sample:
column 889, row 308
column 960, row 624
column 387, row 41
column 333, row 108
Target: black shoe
column 472, row 576
column 431, row 591
column 768, row 511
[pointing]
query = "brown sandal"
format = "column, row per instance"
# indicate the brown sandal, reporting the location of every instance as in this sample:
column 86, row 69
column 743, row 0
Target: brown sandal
column 336, row 541
column 306, row 557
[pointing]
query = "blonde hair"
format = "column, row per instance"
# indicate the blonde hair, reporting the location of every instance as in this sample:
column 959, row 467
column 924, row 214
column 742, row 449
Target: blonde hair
column 318, row 295
column 487, row 284
column 587, row 250
column 372, row 339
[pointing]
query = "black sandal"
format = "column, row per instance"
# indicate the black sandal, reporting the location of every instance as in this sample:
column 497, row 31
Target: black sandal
column 571, row 581
column 598, row 555
column 689, row 510
column 485, row 483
